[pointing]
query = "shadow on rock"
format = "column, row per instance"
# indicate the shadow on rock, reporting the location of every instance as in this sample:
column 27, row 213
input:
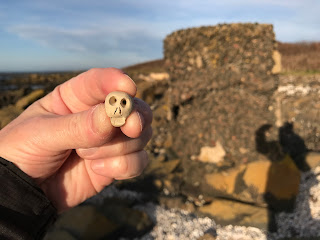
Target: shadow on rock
column 288, row 161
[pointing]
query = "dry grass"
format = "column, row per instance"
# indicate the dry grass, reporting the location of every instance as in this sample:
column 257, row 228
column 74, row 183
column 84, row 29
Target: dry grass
column 297, row 58
column 146, row 67
column 300, row 57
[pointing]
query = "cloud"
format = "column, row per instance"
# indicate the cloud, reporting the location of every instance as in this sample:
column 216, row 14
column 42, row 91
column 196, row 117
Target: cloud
column 122, row 32
column 91, row 40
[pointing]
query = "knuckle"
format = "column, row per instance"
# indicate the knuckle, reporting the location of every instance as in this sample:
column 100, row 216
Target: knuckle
column 74, row 130
column 122, row 147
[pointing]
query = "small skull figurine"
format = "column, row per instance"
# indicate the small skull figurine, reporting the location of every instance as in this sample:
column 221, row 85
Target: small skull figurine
column 118, row 107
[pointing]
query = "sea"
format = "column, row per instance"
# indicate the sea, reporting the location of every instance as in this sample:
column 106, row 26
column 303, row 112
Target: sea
column 5, row 83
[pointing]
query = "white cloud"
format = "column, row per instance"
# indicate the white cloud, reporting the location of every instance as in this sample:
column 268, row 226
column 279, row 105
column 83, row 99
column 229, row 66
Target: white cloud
column 93, row 40
column 122, row 32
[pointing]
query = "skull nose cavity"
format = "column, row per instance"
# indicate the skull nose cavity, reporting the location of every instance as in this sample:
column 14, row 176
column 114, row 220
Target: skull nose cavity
column 119, row 112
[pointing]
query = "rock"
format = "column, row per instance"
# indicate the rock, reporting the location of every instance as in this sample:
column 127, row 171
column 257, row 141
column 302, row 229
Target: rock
column 154, row 77
column 10, row 112
column 225, row 182
column 207, row 236
column 298, row 102
column 8, row 97
column 227, row 212
column 7, row 114
column 265, row 183
column 59, row 234
column 221, row 88
column 278, row 182
column 82, row 222
column 312, row 159
column 300, row 238
column 176, row 203
column 29, row 99
column 131, row 222
column 276, row 56
column 150, row 92
column 212, row 154
column 162, row 168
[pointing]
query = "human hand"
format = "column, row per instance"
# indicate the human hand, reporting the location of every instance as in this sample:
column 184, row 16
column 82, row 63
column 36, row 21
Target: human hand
column 65, row 141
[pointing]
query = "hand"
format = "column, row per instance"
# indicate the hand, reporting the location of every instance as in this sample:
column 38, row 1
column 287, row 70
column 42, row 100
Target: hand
column 65, row 141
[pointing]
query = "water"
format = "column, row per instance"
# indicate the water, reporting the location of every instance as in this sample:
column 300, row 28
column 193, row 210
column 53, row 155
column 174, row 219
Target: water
column 6, row 85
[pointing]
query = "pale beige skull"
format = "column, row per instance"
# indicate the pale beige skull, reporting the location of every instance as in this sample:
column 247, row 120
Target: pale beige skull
column 118, row 107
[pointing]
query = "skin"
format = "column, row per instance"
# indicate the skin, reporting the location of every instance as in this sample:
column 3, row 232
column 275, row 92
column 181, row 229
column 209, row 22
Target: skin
column 66, row 143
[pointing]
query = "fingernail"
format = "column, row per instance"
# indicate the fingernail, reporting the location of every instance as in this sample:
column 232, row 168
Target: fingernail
column 141, row 120
column 99, row 118
column 98, row 166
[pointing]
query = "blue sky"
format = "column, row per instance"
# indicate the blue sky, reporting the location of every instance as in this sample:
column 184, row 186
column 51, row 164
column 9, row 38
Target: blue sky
column 43, row 35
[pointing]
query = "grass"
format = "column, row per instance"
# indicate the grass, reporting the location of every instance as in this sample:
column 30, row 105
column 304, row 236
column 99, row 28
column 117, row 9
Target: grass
column 300, row 58
column 146, row 67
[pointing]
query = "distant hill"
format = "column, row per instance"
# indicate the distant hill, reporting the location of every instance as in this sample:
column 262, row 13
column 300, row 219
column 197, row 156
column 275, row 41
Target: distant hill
column 146, row 67
column 303, row 56
column 296, row 57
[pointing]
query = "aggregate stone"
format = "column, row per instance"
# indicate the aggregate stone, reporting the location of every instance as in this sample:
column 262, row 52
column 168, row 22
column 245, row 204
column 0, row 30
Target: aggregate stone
column 221, row 89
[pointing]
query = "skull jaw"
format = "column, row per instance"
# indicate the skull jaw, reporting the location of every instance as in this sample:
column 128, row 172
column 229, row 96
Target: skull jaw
column 118, row 121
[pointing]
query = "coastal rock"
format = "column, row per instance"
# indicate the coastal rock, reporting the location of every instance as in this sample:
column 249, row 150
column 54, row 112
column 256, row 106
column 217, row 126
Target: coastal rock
column 312, row 160
column 276, row 56
column 82, row 222
column 131, row 222
column 264, row 183
column 298, row 102
column 154, row 76
column 227, row 212
column 10, row 112
column 160, row 168
column 221, row 88
column 7, row 114
column 29, row 99
column 8, row 97
column 207, row 236
column 212, row 154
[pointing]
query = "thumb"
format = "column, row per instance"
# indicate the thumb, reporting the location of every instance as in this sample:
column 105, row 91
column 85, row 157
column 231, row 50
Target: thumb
column 90, row 128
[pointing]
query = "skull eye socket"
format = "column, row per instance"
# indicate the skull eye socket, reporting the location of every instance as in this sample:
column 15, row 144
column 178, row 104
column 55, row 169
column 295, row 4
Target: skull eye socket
column 123, row 102
column 112, row 101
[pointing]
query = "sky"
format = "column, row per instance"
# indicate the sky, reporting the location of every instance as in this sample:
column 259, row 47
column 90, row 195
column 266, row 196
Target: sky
column 62, row 35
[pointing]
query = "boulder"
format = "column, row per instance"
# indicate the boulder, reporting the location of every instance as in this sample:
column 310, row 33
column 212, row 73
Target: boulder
column 82, row 222
column 221, row 88
column 264, row 183
column 227, row 212
column 131, row 222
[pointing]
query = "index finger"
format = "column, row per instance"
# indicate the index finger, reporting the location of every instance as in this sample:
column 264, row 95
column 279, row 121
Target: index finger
column 86, row 90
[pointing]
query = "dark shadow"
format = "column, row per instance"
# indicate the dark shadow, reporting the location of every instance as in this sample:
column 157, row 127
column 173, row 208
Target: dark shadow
column 288, row 144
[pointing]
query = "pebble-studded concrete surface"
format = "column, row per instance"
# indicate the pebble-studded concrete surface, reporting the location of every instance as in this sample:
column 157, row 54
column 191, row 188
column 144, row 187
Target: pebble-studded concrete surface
column 303, row 222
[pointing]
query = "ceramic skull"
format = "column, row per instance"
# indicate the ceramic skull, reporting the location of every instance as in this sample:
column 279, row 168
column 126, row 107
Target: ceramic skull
column 118, row 107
